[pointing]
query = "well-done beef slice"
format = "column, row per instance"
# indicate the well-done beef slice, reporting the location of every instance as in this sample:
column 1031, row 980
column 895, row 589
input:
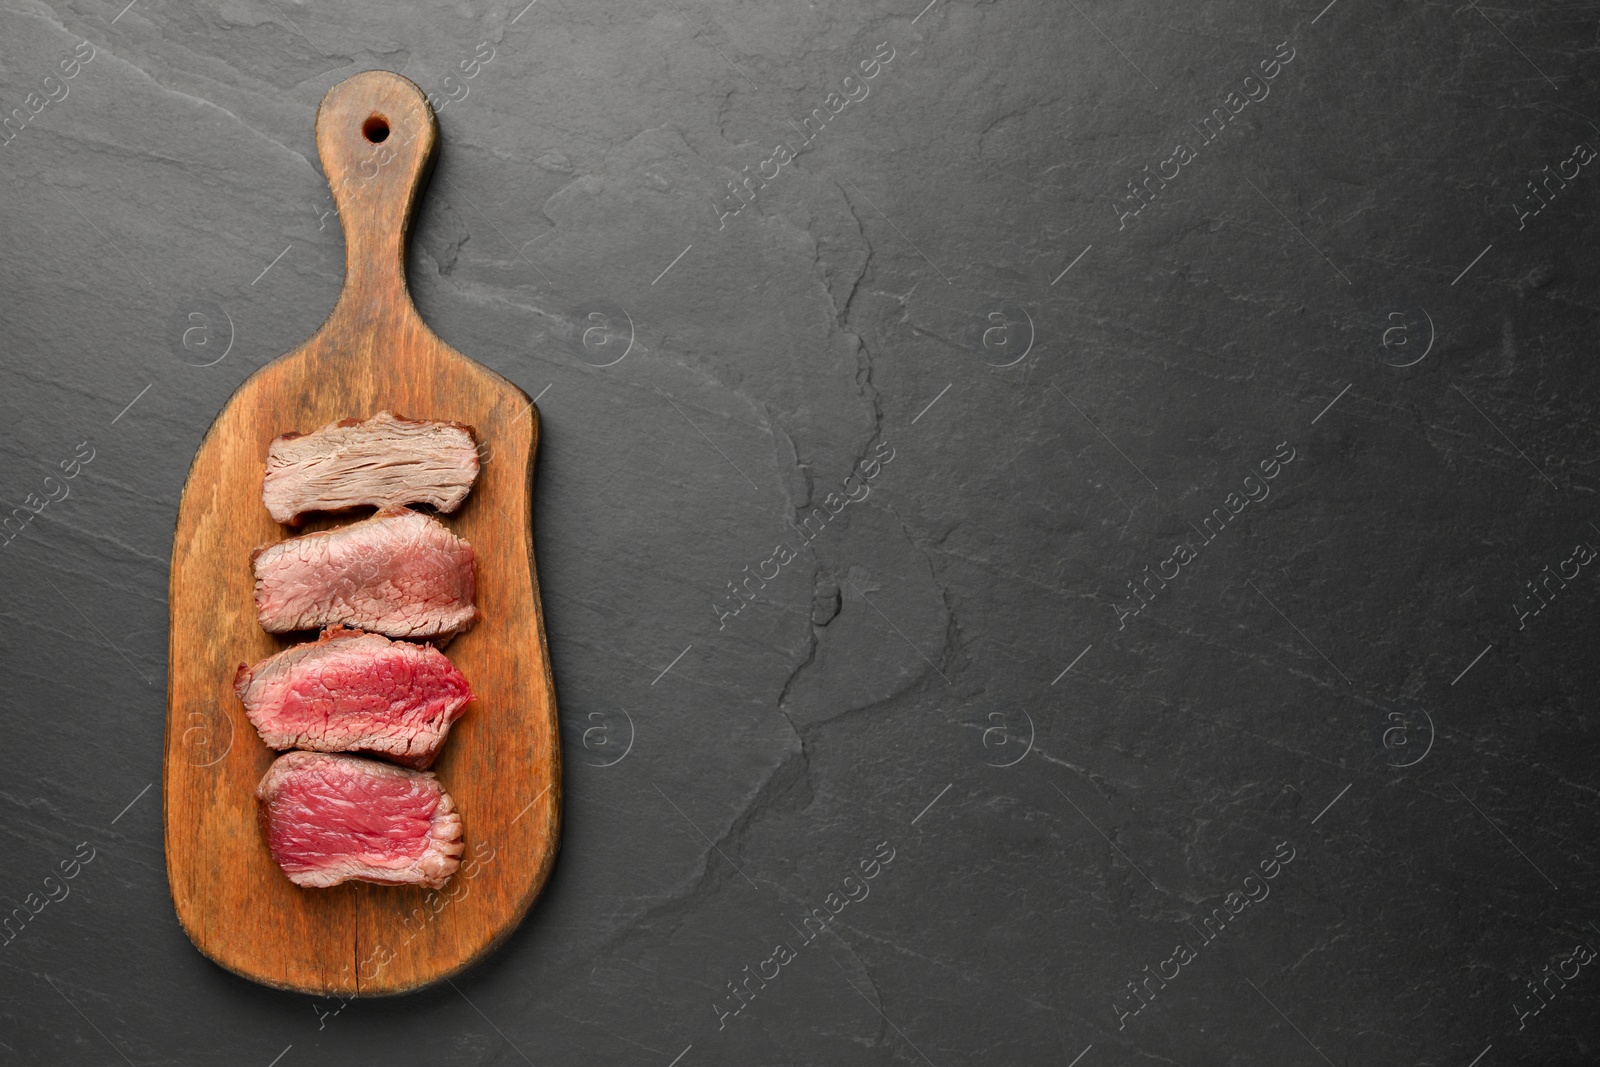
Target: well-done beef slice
column 330, row 819
column 381, row 461
column 351, row 691
column 399, row 573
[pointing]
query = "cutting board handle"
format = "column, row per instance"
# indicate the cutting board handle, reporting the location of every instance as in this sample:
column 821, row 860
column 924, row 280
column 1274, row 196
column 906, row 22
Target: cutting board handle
column 377, row 136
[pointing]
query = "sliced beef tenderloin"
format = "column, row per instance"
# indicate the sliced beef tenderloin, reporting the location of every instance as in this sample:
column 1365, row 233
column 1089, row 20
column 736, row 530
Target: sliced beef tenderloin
column 399, row 573
column 350, row 691
column 381, row 461
column 330, row 819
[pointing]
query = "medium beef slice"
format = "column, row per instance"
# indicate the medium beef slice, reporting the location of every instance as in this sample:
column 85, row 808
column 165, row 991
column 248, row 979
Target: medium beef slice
column 399, row 573
column 350, row 691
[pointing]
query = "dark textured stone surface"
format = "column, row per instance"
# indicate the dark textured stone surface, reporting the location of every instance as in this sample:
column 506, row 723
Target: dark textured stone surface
column 915, row 653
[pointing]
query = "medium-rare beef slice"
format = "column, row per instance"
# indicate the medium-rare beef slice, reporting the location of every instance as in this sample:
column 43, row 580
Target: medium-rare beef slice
column 381, row 461
column 350, row 691
column 399, row 573
column 330, row 819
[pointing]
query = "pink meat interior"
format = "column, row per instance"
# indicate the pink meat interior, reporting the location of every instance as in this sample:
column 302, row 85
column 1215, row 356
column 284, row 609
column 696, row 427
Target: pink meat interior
column 325, row 812
column 400, row 573
column 360, row 686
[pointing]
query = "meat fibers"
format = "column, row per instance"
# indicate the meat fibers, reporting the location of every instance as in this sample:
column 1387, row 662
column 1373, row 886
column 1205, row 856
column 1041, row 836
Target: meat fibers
column 382, row 461
column 355, row 692
column 331, row 818
column 399, row 573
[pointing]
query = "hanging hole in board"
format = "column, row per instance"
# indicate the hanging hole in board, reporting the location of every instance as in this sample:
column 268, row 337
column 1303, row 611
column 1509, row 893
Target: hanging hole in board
column 375, row 129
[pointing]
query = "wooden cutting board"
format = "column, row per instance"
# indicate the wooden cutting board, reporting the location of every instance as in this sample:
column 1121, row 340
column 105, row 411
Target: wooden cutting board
column 376, row 135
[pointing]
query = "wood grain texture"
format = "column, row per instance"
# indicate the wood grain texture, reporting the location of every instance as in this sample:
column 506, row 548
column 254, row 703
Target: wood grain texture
column 501, row 762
